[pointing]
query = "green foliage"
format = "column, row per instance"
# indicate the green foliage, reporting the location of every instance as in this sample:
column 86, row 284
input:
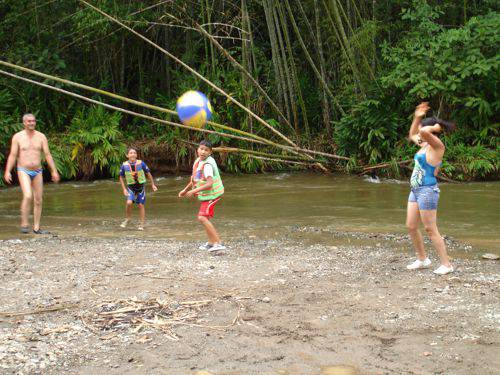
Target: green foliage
column 369, row 131
column 455, row 66
column 471, row 162
column 9, row 122
column 9, row 125
column 96, row 142
column 379, row 59
column 65, row 164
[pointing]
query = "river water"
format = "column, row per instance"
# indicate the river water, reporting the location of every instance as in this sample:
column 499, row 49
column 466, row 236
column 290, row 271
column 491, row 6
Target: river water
column 265, row 206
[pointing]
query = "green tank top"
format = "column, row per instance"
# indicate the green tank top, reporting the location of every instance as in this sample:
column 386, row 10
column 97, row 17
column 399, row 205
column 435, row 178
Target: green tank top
column 199, row 178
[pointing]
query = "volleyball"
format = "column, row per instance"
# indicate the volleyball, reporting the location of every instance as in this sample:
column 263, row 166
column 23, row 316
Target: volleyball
column 194, row 109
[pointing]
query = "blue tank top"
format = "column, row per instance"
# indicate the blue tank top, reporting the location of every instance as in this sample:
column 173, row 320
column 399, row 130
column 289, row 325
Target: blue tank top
column 423, row 172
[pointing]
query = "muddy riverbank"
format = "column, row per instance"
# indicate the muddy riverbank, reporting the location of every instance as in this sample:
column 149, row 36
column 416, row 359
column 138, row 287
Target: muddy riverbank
column 269, row 306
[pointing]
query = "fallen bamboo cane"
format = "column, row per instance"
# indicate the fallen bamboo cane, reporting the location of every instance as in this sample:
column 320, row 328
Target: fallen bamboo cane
column 224, row 149
column 119, row 109
column 257, row 140
column 262, row 140
column 282, row 160
column 120, row 97
column 385, row 165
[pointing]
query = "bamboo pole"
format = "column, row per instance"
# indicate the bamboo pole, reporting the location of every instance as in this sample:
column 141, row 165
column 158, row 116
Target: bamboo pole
column 123, row 98
column 287, row 85
column 281, row 160
column 151, row 118
column 245, row 73
column 123, row 110
column 310, row 60
column 215, row 87
column 385, row 165
column 293, row 68
column 225, row 149
column 275, row 55
column 365, row 60
column 324, row 99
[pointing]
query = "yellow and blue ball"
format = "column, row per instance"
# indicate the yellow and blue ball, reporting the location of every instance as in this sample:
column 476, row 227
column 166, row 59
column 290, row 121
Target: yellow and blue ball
column 194, row 109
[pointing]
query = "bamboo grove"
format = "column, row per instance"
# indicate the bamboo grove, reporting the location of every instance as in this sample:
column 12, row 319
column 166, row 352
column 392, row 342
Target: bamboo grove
column 323, row 84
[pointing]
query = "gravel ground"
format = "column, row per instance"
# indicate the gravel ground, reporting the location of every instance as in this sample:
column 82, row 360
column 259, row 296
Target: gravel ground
column 289, row 305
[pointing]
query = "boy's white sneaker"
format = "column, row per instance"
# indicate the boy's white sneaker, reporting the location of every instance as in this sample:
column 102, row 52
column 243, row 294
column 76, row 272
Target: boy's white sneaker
column 216, row 247
column 124, row 224
column 205, row 246
column 443, row 270
column 419, row 264
column 140, row 227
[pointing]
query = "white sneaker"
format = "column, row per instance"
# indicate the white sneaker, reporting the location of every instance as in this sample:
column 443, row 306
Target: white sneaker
column 418, row 264
column 443, row 270
column 216, row 247
column 205, row 246
column 124, row 224
column 140, row 227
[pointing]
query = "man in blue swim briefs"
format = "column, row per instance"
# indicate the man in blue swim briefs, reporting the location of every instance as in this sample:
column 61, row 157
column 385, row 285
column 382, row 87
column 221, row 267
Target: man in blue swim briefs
column 27, row 147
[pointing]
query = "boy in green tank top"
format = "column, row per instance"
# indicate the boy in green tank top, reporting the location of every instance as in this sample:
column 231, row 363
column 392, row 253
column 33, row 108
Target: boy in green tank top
column 133, row 174
column 207, row 185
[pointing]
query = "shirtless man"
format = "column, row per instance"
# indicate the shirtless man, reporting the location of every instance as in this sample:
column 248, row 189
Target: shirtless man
column 27, row 147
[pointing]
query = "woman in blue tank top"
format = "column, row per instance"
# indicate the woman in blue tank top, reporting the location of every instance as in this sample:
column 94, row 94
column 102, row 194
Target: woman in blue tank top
column 424, row 194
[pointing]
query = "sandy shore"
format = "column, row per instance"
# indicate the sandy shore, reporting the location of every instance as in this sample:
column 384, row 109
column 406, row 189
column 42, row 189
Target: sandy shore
column 264, row 307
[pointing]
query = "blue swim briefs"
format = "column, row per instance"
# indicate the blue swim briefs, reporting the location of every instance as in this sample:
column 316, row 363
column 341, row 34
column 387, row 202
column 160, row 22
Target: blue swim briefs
column 30, row 172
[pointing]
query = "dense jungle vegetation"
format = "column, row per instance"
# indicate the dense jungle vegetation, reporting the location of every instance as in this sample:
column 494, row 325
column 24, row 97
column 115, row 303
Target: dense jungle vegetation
column 337, row 76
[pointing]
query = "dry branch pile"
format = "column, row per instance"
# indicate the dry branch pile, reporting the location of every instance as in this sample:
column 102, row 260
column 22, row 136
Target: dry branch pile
column 156, row 314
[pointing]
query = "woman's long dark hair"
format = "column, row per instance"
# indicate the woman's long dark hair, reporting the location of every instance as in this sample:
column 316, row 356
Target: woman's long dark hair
column 447, row 126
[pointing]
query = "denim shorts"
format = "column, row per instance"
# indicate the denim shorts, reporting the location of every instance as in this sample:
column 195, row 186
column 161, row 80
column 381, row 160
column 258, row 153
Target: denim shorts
column 427, row 197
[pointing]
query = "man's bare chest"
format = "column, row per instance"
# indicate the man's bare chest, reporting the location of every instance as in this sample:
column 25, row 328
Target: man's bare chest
column 30, row 144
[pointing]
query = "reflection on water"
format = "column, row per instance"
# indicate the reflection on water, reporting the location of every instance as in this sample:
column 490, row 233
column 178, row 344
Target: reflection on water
column 263, row 206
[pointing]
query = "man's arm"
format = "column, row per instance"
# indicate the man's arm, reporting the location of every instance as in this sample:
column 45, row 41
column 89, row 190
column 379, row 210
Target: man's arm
column 11, row 160
column 50, row 160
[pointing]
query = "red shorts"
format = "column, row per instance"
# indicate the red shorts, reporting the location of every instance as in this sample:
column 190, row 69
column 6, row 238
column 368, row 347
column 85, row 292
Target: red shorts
column 207, row 207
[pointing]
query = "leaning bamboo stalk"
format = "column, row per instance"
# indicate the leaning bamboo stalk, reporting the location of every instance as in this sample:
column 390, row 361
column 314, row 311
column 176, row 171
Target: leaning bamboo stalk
column 151, row 118
column 256, row 138
column 385, row 165
column 245, row 73
column 282, row 161
column 194, row 72
column 344, row 41
column 123, row 98
column 287, row 86
column 275, row 57
column 313, row 152
column 225, row 149
column 295, row 80
column 319, row 41
column 259, row 153
column 365, row 60
column 310, row 60
column 123, row 110
column 246, row 59
column 281, row 29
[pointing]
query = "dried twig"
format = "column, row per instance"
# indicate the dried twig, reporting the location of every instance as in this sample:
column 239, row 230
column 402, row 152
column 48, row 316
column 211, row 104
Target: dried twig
column 39, row 311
